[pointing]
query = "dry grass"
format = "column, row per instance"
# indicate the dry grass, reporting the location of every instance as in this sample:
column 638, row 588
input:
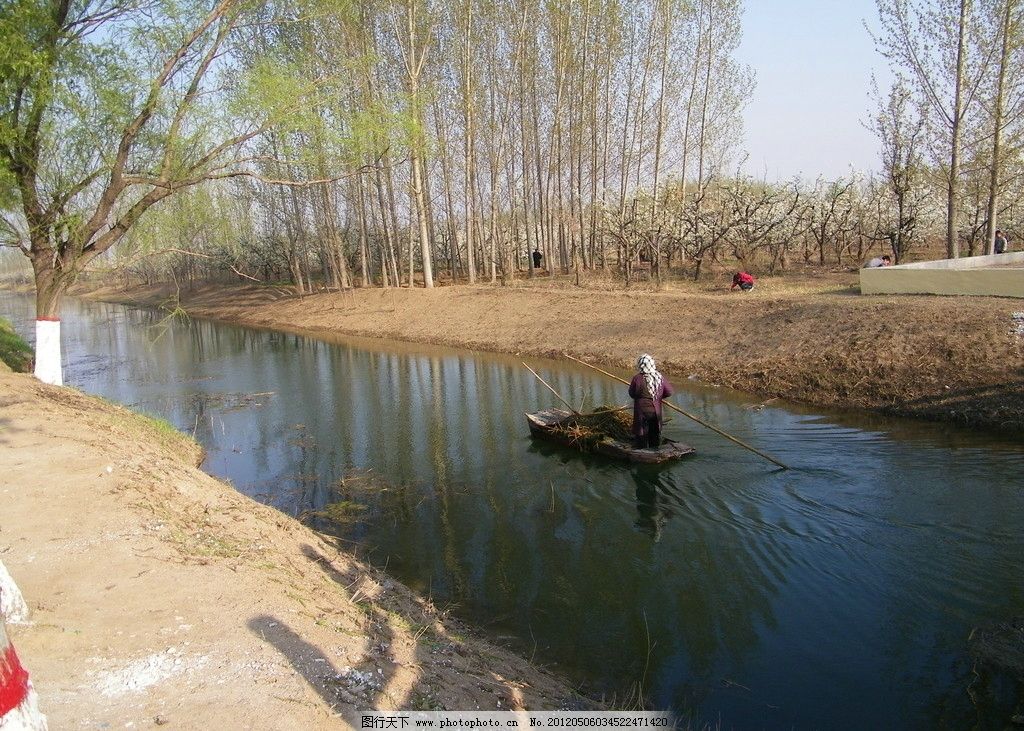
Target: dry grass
column 584, row 431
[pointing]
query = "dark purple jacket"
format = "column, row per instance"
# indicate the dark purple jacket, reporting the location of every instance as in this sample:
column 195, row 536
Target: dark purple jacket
column 643, row 404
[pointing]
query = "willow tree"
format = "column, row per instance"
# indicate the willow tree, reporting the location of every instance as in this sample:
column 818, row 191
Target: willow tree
column 108, row 107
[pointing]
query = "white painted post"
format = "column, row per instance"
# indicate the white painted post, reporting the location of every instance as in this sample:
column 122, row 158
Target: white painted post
column 48, row 355
column 19, row 704
column 12, row 604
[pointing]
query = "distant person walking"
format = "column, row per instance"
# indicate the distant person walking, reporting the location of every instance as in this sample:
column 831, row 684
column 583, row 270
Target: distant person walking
column 742, row 280
column 879, row 261
column 1000, row 243
column 647, row 389
column 537, row 258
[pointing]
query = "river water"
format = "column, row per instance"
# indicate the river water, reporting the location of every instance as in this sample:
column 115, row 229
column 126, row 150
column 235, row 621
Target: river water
column 837, row 594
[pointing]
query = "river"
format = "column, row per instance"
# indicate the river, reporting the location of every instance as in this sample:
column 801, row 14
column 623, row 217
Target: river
column 837, row 594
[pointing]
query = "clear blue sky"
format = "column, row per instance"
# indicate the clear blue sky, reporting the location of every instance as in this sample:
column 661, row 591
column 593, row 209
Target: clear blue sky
column 813, row 60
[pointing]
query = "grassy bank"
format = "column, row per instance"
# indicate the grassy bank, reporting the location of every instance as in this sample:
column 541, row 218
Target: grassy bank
column 15, row 353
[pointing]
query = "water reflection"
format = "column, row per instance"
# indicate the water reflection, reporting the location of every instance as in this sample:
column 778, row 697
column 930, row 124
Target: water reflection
column 716, row 585
column 652, row 509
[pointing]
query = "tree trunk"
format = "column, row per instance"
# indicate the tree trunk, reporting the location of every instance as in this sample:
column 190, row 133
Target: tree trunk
column 470, row 146
column 659, row 132
column 997, row 130
column 953, row 184
column 449, row 198
column 364, row 257
column 50, row 289
column 421, row 210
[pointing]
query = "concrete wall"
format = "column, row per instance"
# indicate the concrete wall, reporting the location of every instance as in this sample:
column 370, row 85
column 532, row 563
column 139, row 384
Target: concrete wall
column 994, row 276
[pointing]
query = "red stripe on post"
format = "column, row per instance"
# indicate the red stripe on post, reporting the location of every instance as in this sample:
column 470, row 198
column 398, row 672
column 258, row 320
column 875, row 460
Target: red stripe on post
column 13, row 681
column 47, row 319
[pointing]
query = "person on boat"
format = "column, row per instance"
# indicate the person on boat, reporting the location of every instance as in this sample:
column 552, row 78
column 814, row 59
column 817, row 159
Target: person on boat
column 647, row 389
column 743, row 280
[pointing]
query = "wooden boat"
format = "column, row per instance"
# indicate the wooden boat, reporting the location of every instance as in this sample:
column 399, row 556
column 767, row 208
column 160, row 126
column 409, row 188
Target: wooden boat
column 544, row 424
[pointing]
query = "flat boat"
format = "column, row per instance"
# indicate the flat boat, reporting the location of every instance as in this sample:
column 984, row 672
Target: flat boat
column 545, row 424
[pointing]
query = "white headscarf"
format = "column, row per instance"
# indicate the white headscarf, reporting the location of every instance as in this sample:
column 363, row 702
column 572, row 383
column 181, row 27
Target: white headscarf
column 645, row 364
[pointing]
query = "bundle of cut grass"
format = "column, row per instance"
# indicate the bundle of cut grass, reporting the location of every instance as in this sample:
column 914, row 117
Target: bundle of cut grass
column 605, row 422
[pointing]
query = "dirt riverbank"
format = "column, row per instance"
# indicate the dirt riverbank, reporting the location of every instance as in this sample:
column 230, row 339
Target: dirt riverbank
column 160, row 594
column 811, row 338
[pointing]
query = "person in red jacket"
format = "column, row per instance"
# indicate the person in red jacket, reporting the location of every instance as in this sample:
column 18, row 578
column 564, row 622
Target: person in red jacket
column 742, row 280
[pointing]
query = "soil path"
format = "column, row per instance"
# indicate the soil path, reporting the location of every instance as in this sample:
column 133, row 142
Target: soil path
column 160, row 594
column 808, row 338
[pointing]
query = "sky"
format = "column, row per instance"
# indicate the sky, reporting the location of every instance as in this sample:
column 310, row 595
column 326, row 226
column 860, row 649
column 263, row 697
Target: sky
column 813, row 60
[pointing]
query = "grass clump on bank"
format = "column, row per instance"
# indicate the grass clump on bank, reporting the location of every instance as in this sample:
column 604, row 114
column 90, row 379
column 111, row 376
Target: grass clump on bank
column 152, row 428
column 162, row 432
column 14, row 351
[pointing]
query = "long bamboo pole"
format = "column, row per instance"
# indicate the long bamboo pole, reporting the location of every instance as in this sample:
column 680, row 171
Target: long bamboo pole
column 557, row 395
column 688, row 415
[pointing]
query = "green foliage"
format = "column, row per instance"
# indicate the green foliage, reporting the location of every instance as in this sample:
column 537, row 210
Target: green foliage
column 203, row 218
column 276, row 92
column 14, row 351
column 23, row 25
column 69, row 90
column 375, row 128
column 79, row 84
column 331, row 11
column 8, row 187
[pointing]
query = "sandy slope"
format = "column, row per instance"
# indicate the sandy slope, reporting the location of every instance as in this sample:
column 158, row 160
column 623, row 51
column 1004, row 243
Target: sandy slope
column 159, row 591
